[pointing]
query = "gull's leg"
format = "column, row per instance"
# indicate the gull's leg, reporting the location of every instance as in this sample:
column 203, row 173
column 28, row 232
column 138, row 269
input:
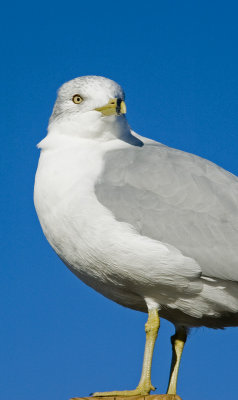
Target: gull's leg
column 144, row 387
column 178, row 342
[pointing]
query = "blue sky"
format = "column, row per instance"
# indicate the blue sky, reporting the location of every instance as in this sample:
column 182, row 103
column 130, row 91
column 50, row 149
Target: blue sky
column 178, row 63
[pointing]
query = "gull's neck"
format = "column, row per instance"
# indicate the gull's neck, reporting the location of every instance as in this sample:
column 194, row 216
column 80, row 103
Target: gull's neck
column 89, row 126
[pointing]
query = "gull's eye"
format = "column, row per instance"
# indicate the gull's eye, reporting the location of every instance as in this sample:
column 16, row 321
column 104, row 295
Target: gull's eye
column 77, row 99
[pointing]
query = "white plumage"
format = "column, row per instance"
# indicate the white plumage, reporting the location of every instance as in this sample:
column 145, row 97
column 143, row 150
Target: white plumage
column 146, row 225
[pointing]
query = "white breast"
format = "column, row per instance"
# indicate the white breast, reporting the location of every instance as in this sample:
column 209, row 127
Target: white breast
column 63, row 192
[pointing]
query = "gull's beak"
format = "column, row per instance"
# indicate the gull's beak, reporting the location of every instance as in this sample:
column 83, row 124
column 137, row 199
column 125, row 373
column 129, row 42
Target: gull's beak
column 113, row 107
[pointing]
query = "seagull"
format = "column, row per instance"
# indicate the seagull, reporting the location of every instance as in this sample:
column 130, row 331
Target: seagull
column 150, row 227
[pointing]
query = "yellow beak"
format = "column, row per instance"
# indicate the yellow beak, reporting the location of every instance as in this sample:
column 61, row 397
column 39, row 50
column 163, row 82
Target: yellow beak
column 113, row 107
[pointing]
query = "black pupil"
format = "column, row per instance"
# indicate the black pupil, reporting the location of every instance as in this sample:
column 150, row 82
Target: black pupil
column 78, row 98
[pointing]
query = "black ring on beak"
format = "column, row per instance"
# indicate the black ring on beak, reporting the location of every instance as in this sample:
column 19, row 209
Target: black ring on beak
column 118, row 107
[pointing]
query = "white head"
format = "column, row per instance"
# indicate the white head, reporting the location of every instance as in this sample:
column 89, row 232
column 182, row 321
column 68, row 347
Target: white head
column 86, row 94
column 90, row 107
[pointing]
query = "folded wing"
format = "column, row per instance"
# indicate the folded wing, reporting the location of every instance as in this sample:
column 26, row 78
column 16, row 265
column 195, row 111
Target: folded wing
column 176, row 198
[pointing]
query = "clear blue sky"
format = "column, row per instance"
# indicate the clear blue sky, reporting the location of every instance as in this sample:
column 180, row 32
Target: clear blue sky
column 178, row 63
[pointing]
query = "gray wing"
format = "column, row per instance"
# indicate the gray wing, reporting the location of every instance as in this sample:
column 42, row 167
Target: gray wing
column 177, row 198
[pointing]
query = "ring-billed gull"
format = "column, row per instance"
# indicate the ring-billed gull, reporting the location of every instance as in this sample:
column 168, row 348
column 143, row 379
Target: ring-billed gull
column 150, row 227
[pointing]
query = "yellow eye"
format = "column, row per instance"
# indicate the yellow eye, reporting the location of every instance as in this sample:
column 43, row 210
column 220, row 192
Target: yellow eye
column 77, row 99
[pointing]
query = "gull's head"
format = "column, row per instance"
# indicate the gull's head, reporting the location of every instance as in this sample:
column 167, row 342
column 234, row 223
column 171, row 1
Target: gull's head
column 87, row 96
column 89, row 107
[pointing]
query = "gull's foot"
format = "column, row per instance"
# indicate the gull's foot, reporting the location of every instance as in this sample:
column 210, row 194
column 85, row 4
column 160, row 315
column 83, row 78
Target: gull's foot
column 141, row 390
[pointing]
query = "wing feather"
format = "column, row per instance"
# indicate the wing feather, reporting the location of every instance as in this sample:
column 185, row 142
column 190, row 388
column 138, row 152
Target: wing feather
column 177, row 198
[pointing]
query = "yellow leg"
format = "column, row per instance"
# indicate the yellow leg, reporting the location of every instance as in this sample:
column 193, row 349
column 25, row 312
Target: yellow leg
column 144, row 387
column 178, row 342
